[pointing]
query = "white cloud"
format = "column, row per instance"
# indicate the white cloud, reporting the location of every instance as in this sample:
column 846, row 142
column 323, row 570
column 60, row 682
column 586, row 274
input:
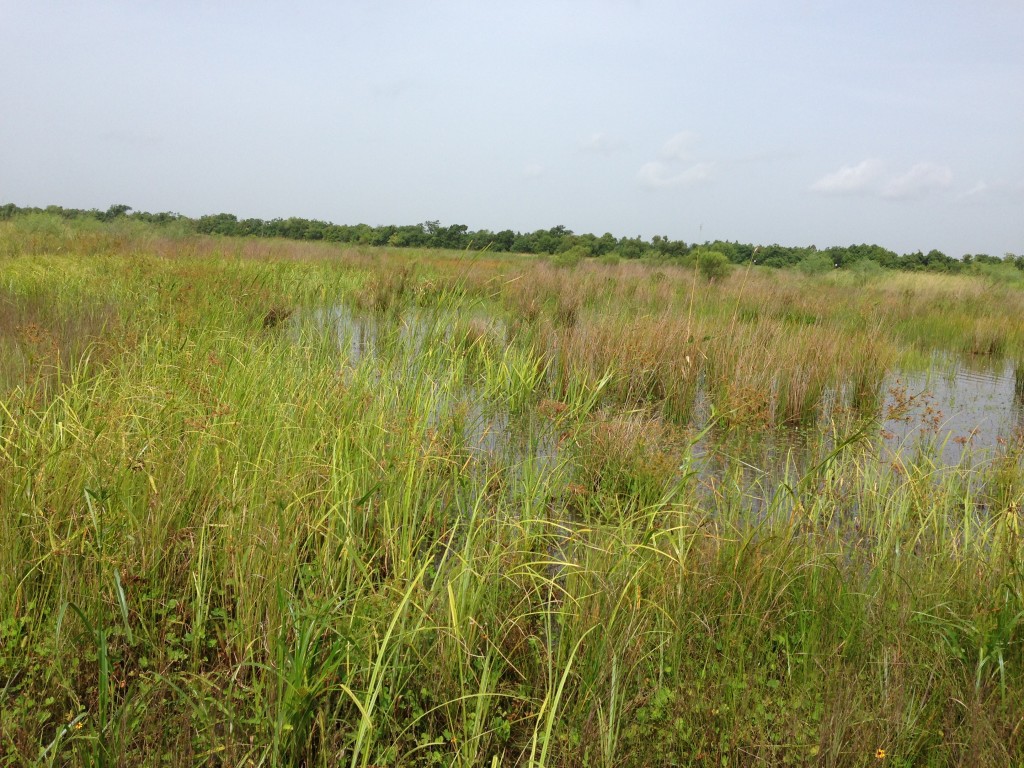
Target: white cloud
column 872, row 177
column 658, row 175
column 533, row 170
column 918, row 181
column 680, row 147
column 849, row 179
column 677, row 166
column 601, row 143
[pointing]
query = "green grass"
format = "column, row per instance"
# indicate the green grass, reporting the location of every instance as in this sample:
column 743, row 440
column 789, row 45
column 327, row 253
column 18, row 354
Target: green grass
column 486, row 537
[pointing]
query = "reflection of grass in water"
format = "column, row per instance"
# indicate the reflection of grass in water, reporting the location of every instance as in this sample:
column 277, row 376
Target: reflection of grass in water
column 241, row 541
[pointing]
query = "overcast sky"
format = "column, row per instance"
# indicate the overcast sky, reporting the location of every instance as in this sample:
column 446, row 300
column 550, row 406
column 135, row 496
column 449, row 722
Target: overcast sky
column 797, row 121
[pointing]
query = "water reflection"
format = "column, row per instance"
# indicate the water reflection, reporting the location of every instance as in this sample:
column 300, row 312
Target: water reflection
column 956, row 406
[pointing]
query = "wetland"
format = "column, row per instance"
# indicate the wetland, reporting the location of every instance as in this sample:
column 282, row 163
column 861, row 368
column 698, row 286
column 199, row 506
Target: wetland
column 280, row 503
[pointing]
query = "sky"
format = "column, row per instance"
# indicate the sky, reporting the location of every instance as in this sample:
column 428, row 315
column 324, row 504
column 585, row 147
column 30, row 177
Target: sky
column 796, row 122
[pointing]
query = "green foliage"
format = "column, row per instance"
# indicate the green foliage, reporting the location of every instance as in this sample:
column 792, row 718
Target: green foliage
column 999, row 273
column 713, row 265
column 569, row 258
column 631, row 247
column 866, row 271
column 815, row 264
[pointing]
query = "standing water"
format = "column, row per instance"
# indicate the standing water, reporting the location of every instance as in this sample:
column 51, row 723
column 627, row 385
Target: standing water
column 954, row 407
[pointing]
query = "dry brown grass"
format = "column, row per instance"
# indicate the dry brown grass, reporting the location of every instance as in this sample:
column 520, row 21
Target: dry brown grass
column 764, row 349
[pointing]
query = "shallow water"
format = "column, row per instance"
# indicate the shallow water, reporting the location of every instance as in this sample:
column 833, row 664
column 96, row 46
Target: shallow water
column 959, row 411
column 955, row 407
column 490, row 434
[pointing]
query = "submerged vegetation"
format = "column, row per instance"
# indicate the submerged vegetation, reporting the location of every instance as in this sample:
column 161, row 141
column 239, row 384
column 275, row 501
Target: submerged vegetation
column 280, row 503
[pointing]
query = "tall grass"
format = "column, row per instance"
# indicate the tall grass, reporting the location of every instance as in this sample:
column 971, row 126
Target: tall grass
column 486, row 537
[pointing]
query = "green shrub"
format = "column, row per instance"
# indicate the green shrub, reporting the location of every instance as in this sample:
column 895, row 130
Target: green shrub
column 866, row 271
column 999, row 274
column 570, row 258
column 815, row 264
column 714, row 265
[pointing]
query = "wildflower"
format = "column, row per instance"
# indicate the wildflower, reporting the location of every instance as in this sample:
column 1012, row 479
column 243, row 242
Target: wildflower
column 880, row 753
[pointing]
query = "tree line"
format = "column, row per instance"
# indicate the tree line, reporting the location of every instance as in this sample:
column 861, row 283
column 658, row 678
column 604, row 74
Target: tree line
column 553, row 241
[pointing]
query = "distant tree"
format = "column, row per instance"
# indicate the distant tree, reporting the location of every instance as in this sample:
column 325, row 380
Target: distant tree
column 523, row 243
column 411, row 236
column 668, row 248
column 568, row 243
column 504, row 240
column 453, row 236
column 116, row 211
column 162, row 218
column 631, row 247
column 251, row 227
column 777, row 256
column 936, row 261
column 605, row 244
column 549, row 240
column 218, row 224
column 382, row 235
column 725, row 248
column 557, row 239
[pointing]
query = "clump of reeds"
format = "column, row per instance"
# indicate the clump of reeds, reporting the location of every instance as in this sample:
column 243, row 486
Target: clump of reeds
column 384, row 290
column 624, row 461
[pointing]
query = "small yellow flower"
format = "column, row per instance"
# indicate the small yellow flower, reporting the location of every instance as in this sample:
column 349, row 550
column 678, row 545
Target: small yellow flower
column 880, row 753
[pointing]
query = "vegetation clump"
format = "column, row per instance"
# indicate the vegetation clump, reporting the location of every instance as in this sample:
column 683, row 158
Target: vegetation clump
column 714, row 265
